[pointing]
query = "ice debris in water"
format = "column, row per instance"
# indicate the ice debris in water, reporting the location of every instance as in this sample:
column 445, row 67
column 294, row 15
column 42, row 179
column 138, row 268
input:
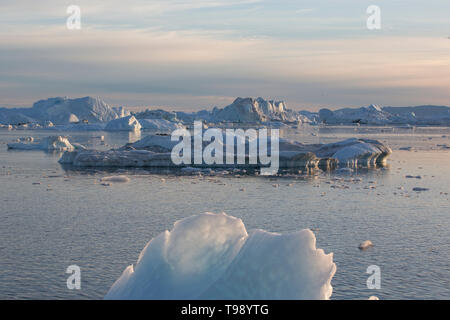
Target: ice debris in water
column 211, row 256
column 116, row 179
column 365, row 245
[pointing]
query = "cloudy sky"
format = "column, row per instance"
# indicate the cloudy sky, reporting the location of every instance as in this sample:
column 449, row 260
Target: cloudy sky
column 189, row 55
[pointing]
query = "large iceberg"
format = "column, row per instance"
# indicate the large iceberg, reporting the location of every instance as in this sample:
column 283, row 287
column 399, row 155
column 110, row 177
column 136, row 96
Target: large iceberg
column 155, row 151
column 211, row 256
column 246, row 110
column 61, row 110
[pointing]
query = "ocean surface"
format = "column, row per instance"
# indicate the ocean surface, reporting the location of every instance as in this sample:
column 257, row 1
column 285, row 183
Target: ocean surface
column 53, row 217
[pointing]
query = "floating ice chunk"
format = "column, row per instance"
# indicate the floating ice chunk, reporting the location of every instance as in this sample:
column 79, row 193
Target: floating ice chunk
column 417, row 189
column 155, row 151
column 365, row 245
column 123, row 124
column 211, row 256
column 413, row 177
column 116, row 179
column 54, row 143
column 374, row 298
column 358, row 151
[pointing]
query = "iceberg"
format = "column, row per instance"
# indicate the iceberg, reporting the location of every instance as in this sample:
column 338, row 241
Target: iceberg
column 54, row 143
column 61, row 110
column 161, row 125
column 129, row 123
column 157, row 114
column 211, row 256
column 376, row 115
column 155, row 151
column 246, row 110
column 352, row 152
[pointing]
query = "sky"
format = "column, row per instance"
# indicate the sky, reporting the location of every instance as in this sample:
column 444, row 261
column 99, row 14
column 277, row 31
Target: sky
column 192, row 55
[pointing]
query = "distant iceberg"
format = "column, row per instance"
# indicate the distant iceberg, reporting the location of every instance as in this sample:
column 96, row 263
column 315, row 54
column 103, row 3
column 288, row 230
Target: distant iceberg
column 129, row 123
column 54, row 143
column 61, row 111
column 211, row 256
column 160, row 125
column 376, row 115
column 247, row 110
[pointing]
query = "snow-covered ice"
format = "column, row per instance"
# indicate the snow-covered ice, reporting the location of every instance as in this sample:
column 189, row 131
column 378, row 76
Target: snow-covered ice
column 155, row 151
column 211, row 256
column 161, row 125
column 129, row 123
column 60, row 110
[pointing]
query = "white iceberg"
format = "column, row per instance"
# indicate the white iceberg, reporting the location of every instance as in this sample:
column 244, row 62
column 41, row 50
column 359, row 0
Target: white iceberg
column 376, row 115
column 211, row 256
column 54, row 143
column 129, row 123
column 352, row 152
column 61, row 110
column 155, row 151
column 160, row 125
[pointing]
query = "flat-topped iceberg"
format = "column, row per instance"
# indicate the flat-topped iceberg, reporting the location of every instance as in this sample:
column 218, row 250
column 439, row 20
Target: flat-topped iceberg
column 376, row 115
column 156, row 151
column 211, row 256
column 54, row 143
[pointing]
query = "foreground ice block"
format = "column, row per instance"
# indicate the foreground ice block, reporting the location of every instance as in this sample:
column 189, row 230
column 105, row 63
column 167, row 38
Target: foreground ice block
column 211, row 256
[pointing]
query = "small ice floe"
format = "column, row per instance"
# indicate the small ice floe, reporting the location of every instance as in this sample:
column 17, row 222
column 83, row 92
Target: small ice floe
column 374, row 298
column 276, row 185
column 54, row 143
column 116, row 179
column 413, row 177
column 418, row 189
column 163, row 180
column 365, row 245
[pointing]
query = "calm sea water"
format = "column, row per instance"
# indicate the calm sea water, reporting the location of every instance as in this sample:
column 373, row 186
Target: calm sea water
column 51, row 218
